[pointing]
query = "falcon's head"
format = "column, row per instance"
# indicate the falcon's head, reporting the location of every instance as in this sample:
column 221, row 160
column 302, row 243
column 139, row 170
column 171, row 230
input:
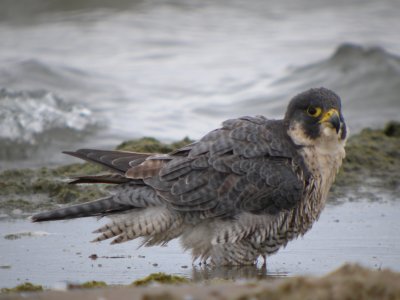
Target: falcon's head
column 315, row 116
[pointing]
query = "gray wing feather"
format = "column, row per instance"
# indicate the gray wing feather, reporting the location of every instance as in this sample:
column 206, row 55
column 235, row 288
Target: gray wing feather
column 194, row 180
column 200, row 163
column 281, row 189
column 117, row 161
column 175, row 165
column 247, row 165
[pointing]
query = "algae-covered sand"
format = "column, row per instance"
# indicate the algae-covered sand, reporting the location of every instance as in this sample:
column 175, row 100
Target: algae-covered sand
column 373, row 159
column 27, row 190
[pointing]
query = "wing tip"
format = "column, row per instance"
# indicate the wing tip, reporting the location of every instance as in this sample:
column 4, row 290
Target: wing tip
column 67, row 152
column 83, row 151
column 39, row 217
column 73, row 153
column 32, row 219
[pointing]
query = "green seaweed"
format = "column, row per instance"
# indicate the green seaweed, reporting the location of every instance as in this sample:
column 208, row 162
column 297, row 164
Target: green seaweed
column 152, row 145
column 18, row 203
column 88, row 285
column 16, row 236
column 160, row 278
column 392, row 129
column 24, row 287
column 30, row 190
column 372, row 154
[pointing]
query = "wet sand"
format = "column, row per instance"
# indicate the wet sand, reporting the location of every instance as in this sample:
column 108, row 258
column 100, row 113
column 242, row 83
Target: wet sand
column 57, row 253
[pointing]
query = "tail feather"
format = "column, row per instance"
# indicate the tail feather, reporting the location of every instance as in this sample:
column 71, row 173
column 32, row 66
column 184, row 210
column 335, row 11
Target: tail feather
column 108, row 178
column 93, row 208
column 138, row 223
column 162, row 238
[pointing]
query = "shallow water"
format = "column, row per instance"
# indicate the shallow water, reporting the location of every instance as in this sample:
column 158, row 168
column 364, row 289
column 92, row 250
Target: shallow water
column 172, row 68
column 359, row 232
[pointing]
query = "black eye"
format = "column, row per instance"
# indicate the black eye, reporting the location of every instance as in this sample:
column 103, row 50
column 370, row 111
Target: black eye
column 314, row 111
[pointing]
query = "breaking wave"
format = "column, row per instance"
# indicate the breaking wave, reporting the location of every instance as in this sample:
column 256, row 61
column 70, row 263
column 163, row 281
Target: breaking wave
column 32, row 119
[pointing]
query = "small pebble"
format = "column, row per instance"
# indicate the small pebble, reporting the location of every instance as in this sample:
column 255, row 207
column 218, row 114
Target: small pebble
column 5, row 267
column 93, row 256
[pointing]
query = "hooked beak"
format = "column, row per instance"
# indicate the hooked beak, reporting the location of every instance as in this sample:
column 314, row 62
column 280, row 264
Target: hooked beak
column 332, row 117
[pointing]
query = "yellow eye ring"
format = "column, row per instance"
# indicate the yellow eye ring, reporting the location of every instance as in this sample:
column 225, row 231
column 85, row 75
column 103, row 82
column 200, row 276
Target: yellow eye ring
column 314, row 112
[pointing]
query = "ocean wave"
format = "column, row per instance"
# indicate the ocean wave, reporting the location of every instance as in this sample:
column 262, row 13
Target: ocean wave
column 29, row 74
column 31, row 119
column 34, row 9
column 366, row 78
column 352, row 63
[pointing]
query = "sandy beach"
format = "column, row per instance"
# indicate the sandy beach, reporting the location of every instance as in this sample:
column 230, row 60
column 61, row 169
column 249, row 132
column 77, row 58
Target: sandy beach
column 348, row 282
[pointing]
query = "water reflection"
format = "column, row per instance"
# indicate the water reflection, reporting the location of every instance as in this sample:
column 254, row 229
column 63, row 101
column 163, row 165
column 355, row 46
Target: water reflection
column 259, row 271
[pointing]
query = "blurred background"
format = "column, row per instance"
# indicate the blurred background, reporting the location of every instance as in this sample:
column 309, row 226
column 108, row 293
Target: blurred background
column 89, row 73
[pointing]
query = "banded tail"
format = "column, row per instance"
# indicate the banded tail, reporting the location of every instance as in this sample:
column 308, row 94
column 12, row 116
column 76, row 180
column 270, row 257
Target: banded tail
column 118, row 162
column 89, row 209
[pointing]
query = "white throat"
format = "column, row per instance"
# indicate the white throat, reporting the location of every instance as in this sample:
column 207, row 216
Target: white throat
column 323, row 156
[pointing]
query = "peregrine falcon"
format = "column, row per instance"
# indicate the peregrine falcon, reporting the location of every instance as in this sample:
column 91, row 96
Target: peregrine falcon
column 241, row 192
